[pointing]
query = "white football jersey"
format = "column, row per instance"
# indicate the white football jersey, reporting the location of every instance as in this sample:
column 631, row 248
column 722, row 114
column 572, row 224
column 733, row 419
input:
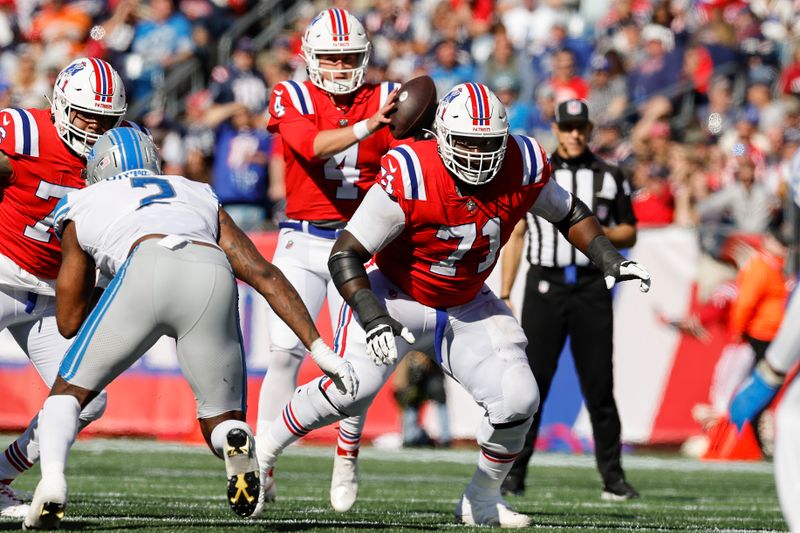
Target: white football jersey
column 110, row 215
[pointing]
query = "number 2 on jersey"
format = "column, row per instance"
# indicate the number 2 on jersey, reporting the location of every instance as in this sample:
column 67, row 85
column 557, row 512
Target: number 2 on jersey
column 342, row 167
column 467, row 233
column 165, row 189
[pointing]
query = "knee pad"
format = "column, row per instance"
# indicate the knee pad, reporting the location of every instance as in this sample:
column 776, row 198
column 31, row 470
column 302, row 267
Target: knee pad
column 94, row 409
column 520, row 398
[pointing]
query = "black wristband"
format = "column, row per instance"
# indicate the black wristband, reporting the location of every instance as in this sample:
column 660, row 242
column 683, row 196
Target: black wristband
column 603, row 254
column 367, row 307
column 506, row 297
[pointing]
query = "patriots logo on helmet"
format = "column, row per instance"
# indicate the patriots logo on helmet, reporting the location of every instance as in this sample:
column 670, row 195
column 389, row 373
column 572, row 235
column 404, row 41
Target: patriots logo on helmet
column 449, row 97
column 74, row 68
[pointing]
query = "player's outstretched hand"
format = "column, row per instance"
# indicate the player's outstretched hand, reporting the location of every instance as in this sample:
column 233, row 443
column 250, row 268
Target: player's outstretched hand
column 381, row 345
column 625, row 270
column 381, row 118
column 755, row 394
column 335, row 367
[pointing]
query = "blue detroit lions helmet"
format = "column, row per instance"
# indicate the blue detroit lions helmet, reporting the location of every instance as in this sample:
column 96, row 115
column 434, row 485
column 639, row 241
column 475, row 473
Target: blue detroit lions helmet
column 121, row 150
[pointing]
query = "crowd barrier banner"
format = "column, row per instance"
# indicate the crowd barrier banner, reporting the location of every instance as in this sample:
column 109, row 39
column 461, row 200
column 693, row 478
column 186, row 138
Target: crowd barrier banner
column 659, row 375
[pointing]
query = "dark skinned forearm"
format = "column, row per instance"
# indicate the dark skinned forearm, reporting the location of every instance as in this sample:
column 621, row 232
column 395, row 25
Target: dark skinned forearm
column 251, row 267
column 584, row 232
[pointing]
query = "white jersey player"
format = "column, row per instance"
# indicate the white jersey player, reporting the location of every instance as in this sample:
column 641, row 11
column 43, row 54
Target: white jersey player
column 766, row 380
column 173, row 254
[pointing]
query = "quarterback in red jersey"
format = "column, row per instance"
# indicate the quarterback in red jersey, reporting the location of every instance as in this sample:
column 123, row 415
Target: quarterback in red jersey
column 435, row 222
column 333, row 134
column 42, row 158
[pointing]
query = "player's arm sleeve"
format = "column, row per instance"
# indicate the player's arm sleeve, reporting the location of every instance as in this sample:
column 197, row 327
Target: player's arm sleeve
column 293, row 126
column 554, row 202
column 377, row 221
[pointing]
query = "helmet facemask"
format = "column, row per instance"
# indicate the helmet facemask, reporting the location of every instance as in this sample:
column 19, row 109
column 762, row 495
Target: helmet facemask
column 475, row 160
column 327, row 78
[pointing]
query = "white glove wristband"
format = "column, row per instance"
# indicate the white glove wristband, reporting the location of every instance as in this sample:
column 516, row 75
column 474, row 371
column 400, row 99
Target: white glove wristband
column 361, row 130
column 320, row 350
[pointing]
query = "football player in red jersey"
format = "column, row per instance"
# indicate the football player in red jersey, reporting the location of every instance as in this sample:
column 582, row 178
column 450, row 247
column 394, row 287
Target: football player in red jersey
column 434, row 224
column 333, row 134
column 42, row 158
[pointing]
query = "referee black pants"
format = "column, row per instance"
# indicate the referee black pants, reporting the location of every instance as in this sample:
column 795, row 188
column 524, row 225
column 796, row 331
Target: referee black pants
column 560, row 303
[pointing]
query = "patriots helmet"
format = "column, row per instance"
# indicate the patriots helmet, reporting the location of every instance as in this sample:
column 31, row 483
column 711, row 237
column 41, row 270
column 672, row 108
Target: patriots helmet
column 88, row 89
column 471, row 128
column 332, row 32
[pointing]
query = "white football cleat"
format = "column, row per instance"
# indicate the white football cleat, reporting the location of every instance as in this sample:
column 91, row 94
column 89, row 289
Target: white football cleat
column 241, row 466
column 488, row 510
column 268, row 492
column 11, row 504
column 344, row 482
column 49, row 502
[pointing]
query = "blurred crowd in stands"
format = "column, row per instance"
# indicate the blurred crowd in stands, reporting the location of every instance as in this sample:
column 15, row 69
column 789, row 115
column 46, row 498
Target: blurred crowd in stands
column 699, row 100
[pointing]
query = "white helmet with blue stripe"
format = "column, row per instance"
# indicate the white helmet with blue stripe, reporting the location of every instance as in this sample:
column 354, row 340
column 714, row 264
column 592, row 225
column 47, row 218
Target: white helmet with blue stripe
column 334, row 32
column 87, row 88
column 471, row 128
column 120, row 151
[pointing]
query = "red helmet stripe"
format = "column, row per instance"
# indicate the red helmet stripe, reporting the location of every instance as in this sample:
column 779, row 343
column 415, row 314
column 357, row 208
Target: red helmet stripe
column 109, row 79
column 345, row 26
column 485, row 102
column 473, row 98
column 98, row 82
column 334, row 25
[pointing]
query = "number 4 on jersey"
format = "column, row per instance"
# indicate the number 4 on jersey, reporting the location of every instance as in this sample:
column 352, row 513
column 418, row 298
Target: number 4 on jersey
column 342, row 167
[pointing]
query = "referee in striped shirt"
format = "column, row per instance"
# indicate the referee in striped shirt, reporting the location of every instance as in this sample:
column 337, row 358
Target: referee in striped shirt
column 565, row 295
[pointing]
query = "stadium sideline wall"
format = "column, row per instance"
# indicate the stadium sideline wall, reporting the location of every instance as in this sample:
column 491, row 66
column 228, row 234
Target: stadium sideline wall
column 659, row 374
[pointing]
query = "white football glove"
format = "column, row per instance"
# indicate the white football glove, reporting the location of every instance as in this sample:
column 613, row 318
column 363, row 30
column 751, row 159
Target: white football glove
column 381, row 346
column 335, row 367
column 626, row 270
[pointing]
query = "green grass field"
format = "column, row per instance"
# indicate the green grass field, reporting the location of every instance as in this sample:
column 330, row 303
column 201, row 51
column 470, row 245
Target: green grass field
column 126, row 484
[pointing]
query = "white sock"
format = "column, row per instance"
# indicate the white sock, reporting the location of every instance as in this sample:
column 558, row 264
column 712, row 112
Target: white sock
column 499, row 448
column 221, row 430
column 278, row 386
column 349, row 436
column 58, row 427
column 308, row 409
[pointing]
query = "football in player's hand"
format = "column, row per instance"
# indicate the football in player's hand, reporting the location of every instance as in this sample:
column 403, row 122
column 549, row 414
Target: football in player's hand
column 416, row 107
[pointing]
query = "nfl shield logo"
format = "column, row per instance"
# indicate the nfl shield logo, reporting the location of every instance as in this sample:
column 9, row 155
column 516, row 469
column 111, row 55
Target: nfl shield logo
column 574, row 107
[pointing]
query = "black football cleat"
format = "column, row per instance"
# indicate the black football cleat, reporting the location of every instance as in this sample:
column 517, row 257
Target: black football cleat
column 619, row 491
column 241, row 467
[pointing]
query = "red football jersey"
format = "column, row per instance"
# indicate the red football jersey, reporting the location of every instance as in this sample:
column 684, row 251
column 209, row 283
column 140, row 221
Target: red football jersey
column 45, row 170
column 450, row 242
column 326, row 189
